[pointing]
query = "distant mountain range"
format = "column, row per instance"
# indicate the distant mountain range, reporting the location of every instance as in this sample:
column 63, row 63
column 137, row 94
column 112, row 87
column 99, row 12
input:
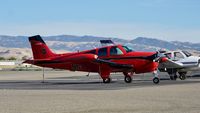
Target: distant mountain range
column 75, row 43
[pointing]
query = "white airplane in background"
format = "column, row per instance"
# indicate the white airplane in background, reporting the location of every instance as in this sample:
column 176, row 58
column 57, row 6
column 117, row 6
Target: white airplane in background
column 179, row 62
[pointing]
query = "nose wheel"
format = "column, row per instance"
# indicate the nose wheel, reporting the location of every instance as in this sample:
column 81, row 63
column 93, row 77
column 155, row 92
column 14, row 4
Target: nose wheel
column 156, row 80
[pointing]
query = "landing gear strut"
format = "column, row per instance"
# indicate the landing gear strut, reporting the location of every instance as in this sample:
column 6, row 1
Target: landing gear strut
column 172, row 74
column 156, row 79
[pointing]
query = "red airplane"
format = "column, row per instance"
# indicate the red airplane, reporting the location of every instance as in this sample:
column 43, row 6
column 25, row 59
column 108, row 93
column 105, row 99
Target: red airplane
column 104, row 60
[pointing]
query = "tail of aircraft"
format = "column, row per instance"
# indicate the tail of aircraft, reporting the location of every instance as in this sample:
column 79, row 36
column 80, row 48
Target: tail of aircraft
column 39, row 48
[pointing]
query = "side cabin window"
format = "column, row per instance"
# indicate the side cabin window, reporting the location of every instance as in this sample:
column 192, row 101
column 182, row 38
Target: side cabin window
column 102, row 52
column 178, row 55
column 115, row 51
column 91, row 52
column 187, row 53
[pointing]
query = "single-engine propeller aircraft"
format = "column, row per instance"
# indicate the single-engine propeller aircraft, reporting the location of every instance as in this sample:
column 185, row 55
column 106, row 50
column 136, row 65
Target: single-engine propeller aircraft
column 179, row 62
column 104, row 60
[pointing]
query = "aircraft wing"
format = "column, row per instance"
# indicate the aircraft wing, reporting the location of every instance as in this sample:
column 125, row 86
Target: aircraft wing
column 114, row 65
column 170, row 64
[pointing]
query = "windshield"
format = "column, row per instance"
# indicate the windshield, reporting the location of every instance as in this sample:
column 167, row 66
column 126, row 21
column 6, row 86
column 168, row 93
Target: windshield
column 187, row 53
column 127, row 49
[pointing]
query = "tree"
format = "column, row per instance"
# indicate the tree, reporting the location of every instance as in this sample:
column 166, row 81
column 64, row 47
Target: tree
column 24, row 57
column 12, row 58
column 2, row 58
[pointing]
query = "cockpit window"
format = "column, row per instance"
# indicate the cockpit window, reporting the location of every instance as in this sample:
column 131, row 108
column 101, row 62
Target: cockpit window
column 127, row 49
column 115, row 51
column 187, row 53
column 102, row 52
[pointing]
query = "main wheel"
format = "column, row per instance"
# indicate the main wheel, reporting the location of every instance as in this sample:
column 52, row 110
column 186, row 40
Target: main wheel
column 156, row 80
column 106, row 80
column 182, row 75
column 128, row 79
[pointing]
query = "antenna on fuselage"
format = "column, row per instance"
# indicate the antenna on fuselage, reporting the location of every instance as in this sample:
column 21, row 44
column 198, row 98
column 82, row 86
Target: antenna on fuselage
column 106, row 42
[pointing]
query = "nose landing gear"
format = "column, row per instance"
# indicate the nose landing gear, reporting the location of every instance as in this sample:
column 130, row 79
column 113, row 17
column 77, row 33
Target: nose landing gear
column 156, row 79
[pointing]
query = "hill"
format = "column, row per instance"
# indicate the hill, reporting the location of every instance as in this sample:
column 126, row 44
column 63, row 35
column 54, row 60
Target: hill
column 19, row 45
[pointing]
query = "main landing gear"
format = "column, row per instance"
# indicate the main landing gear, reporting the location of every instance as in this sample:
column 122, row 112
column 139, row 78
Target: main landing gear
column 128, row 77
column 106, row 80
column 172, row 74
column 182, row 75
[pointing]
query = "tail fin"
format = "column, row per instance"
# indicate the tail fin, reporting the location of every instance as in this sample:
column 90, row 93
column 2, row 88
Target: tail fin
column 39, row 48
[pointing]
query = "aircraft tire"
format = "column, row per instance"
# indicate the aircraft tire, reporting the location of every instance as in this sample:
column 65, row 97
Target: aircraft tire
column 128, row 79
column 107, row 80
column 182, row 75
column 156, row 80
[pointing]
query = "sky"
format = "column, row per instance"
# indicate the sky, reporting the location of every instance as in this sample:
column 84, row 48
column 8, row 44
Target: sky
column 162, row 19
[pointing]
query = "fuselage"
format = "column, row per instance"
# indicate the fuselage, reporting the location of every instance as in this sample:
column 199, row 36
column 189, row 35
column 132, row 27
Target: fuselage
column 85, row 60
column 186, row 61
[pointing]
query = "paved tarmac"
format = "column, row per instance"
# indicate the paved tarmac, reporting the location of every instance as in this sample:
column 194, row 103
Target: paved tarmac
column 73, row 92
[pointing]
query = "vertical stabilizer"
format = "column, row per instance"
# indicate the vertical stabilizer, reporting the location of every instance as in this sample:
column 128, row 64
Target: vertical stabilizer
column 39, row 48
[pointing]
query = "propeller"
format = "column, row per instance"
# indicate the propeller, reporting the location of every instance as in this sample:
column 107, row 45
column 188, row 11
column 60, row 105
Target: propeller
column 158, row 57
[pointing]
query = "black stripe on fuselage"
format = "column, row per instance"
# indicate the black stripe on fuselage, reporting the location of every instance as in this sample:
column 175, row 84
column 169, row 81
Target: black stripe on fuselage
column 189, row 62
column 119, row 58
